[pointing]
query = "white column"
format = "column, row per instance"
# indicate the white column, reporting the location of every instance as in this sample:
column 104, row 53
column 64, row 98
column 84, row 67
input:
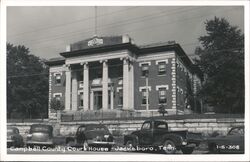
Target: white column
column 91, row 100
column 85, row 87
column 68, row 88
column 125, row 83
column 111, row 99
column 131, row 85
column 105, row 85
column 74, row 91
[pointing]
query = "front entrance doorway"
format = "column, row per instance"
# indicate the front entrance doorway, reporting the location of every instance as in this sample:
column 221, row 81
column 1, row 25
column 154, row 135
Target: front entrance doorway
column 97, row 100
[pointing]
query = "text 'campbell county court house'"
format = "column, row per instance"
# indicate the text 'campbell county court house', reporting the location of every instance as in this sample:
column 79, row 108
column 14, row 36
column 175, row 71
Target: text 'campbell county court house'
column 114, row 74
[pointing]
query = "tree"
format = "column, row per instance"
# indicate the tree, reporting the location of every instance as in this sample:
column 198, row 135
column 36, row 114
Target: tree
column 27, row 84
column 56, row 104
column 162, row 110
column 221, row 59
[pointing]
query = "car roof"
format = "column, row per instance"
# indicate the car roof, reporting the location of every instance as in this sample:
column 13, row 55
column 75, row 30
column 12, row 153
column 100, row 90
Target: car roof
column 33, row 125
column 84, row 125
column 9, row 127
column 155, row 120
column 238, row 127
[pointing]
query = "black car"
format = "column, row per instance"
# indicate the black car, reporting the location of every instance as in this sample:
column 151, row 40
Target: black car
column 14, row 139
column 233, row 142
column 156, row 134
column 92, row 136
column 40, row 135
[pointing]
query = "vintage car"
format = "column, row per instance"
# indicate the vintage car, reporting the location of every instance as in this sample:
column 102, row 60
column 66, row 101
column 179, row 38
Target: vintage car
column 14, row 139
column 233, row 142
column 92, row 136
column 40, row 135
column 155, row 134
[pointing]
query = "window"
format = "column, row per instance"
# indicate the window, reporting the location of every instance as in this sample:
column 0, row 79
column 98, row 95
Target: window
column 236, row 131
column 146, row 126
column 161, row 125
column 81, row 99
column 81, row 129
column 120, row 81
column 58, row 79
column 161, row 68
column 120, row 97
column 58, row 97
column 144, row 96
column 144, row 70
column 162, row 96
column 80, row 84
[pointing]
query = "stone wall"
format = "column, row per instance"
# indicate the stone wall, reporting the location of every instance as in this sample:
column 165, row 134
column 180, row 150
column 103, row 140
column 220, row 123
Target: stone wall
column 121, row 127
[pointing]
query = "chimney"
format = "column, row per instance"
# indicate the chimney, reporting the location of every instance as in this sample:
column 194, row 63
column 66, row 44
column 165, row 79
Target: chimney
column 125, row 39
column 68, row 48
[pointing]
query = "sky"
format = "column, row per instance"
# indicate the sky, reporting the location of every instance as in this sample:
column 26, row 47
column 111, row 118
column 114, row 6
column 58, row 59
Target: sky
column 46, row 31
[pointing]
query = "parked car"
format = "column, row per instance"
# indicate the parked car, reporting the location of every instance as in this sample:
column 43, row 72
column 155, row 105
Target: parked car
column 92, row 135
column 14, row 139
column 40, row 135
column 233, row 142
column 155, row 133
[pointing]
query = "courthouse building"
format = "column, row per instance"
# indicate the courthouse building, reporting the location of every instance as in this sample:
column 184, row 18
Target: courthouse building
column 113, row 73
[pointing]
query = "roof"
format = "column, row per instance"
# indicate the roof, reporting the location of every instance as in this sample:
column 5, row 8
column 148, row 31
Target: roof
column 115, row 43
column 55, row 61
column 96, row 42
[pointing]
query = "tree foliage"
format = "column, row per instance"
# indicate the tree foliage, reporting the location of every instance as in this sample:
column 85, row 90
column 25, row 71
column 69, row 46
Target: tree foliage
column 222, row 62
column 56, row 104
column 162, row 110
column 27, row 84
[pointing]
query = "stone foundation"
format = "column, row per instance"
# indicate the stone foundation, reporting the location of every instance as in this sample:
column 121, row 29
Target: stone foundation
column 121, row 127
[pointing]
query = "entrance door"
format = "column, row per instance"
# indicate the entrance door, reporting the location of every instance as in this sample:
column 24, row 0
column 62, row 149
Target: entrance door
column 97, row 100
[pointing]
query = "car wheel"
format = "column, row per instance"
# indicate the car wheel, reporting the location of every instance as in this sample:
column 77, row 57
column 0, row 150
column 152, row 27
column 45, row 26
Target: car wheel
column 187, row 150
column 30, row 145
column 213, row 149
column 129, row 144
column 85, row 145
column 109, row 148
column 169, row 147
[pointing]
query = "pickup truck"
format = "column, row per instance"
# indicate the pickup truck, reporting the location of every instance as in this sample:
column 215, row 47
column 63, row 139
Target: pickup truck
column 155, row 134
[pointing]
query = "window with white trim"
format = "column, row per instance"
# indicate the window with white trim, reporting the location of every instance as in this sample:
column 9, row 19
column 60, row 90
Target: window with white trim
column 144, row 97
column 144, row 70
column 162, row 95
column 161, row 68
column 57, row 96
column 58, row 79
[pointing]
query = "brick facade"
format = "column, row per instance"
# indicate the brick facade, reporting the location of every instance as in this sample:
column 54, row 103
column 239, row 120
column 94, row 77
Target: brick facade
column 166, row 67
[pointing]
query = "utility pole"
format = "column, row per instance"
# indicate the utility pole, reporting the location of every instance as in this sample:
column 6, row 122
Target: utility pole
column 147, row 106
column 95, row 20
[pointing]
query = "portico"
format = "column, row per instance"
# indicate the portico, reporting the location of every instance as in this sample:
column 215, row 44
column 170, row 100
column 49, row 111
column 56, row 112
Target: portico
column 99, row 88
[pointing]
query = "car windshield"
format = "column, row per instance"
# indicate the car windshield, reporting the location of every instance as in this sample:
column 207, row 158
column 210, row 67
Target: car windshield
column 161, row 125
column 10, row 131
column 146, row 126
column 236, row 131
column 40, row 128
column 96, row 128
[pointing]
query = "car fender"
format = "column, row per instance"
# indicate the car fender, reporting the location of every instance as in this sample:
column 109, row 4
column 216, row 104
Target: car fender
column 177, row 139
column 70, row 140
column 132, row 137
